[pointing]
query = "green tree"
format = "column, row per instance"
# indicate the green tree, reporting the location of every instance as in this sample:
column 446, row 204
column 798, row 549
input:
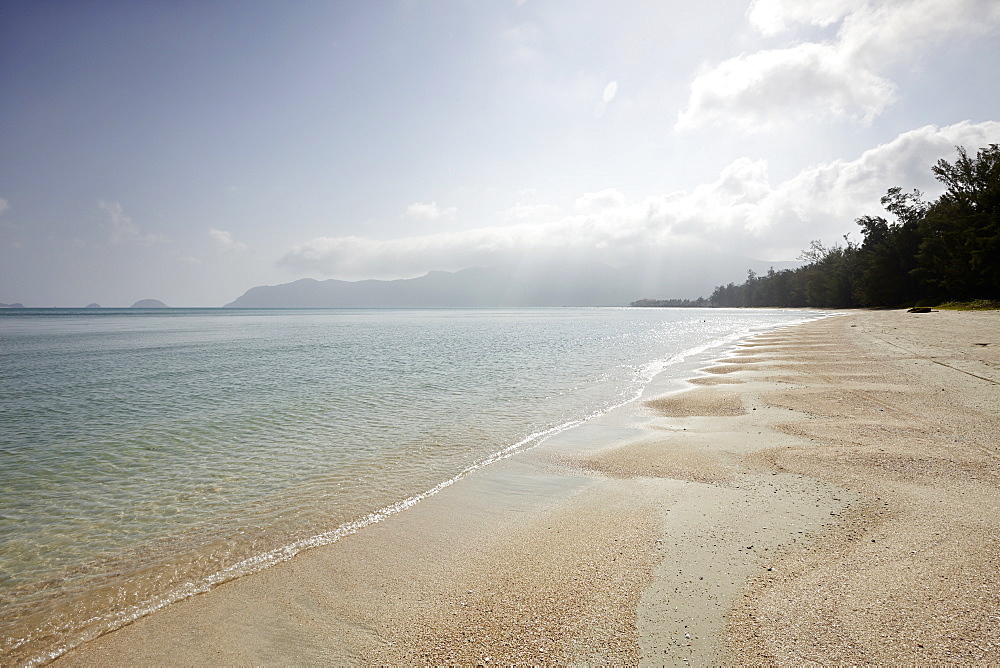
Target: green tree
column 887, row 257
column 829, row 278
column 959, row 255
column 946, row 250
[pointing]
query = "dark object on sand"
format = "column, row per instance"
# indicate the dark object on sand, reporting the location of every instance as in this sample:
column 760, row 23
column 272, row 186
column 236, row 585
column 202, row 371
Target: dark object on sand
column 920, row 309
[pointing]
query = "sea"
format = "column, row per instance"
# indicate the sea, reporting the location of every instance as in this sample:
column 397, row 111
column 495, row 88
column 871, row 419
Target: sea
column 147, row 455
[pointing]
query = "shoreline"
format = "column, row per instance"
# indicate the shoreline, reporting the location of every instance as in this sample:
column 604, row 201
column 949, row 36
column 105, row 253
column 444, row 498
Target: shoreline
column 673, row 532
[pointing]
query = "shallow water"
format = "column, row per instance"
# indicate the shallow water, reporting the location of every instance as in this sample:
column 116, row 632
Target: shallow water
column 147, row 455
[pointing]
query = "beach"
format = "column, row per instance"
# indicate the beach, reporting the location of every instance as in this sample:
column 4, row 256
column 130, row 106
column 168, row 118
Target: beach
column 826, row 493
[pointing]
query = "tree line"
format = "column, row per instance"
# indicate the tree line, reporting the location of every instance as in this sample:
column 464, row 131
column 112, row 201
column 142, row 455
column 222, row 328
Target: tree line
column 924, row 253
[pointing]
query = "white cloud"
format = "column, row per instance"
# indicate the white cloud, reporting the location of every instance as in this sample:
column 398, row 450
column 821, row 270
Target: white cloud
column 761, row 90
column 610, row 91
column 771, row 17
column 8, row 230
column 191, row 260
column 739, row 212
column 529, row 213
column 429, row 211
column 225, row 241
column 823, row 201
column 521, row 44
column 609, row 198
column 123, row 230
column 842, row 78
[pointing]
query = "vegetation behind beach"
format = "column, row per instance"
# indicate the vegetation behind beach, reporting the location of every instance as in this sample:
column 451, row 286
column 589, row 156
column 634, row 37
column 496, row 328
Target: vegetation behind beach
column 947, row 250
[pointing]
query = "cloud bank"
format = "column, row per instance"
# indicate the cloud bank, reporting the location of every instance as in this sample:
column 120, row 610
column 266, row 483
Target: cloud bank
column 740, row 212
column 843, row 78
column 225, row 242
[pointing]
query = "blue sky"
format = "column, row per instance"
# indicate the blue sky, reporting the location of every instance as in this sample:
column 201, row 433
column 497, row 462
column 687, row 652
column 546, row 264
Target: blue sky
column 188, row 151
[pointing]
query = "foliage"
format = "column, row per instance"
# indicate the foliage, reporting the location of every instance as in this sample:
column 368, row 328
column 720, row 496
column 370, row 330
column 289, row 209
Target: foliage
column 960, row 245
column 974, row 305
column 944, row 250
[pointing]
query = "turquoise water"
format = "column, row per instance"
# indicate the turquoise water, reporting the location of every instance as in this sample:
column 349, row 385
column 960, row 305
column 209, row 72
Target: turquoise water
column 146, row 455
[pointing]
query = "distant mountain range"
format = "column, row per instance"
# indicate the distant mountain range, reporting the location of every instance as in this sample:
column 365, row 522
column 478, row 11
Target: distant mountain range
column 559, row 284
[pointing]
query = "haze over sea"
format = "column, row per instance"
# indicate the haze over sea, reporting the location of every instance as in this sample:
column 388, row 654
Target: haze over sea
column 146, row 455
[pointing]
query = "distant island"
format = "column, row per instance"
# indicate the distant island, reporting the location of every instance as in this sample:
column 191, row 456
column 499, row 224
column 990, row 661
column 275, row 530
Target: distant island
column 93, row 305
column 149, row 303
column 700, row 302
column 527, row 285
column 493, row 286
column 14, row 305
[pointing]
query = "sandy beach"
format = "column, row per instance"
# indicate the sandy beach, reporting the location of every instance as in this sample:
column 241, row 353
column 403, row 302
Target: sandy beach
column 829, row 493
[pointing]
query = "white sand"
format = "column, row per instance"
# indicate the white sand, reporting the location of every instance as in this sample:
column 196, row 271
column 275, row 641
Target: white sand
column 828, row 495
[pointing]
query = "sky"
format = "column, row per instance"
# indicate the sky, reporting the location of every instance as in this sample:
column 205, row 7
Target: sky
column 189, row 150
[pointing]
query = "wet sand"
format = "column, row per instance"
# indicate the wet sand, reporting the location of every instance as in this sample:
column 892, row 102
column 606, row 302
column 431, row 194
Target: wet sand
column 827, row 494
